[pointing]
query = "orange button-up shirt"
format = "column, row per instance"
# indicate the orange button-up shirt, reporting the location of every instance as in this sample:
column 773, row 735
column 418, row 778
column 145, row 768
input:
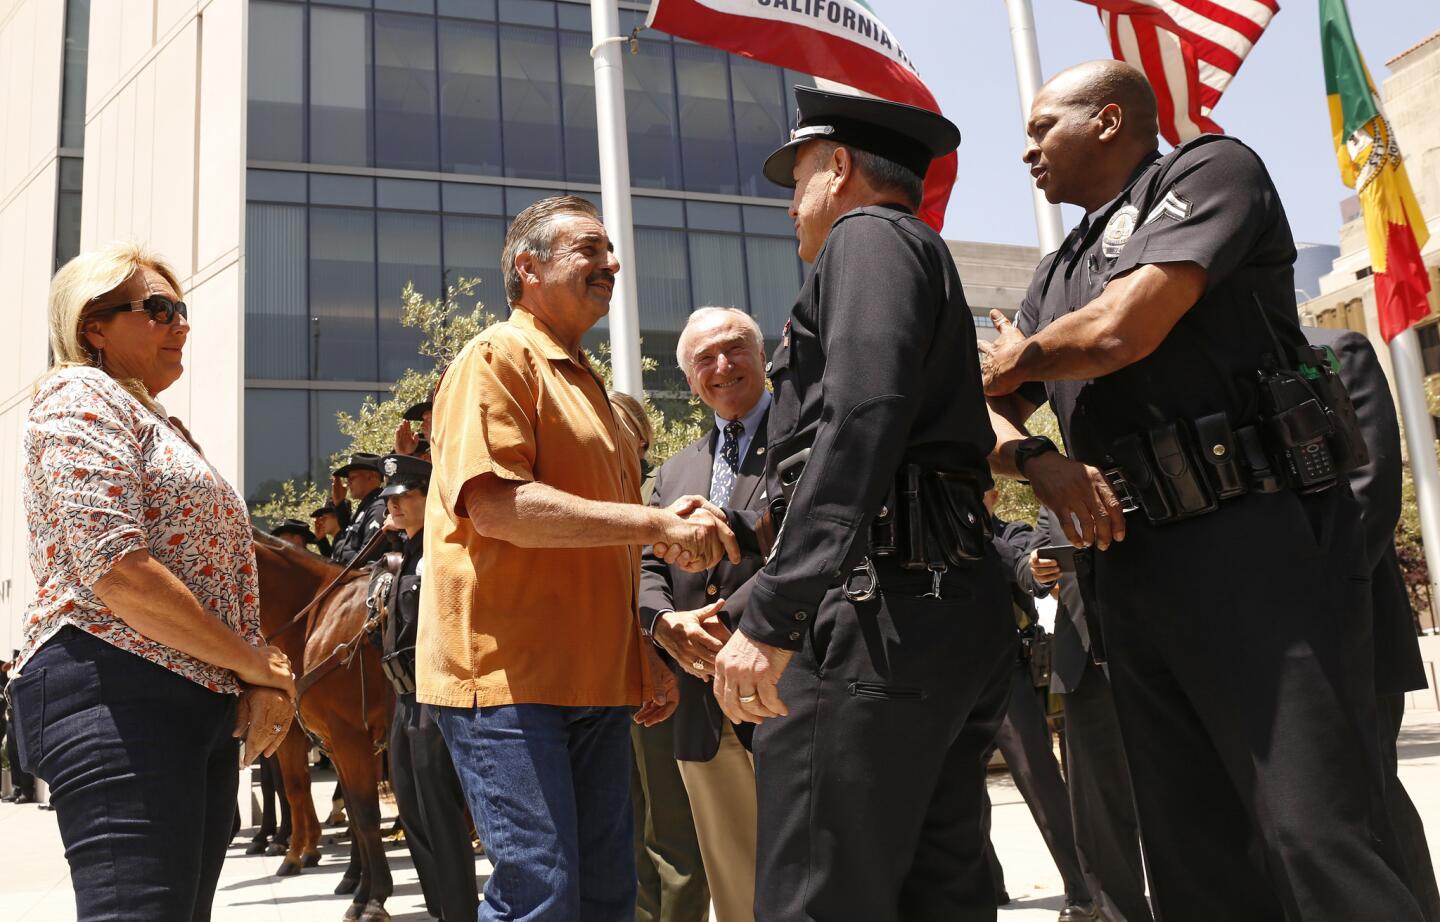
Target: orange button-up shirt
column 501, row 624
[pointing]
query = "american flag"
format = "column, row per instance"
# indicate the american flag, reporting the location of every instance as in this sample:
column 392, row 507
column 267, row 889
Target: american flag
column 1188, row 49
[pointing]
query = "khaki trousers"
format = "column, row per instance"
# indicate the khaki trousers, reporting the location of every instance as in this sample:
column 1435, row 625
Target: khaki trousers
column 722, row 799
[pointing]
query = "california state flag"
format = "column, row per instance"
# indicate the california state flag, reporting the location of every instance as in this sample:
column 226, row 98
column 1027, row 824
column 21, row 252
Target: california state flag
column 1370, row 163
column 841, row 41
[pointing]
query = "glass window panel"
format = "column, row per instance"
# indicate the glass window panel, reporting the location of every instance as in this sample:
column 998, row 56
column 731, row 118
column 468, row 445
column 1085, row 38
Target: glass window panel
column 469, row 99
column 406, row 6
column 276, row 120
column 328, row 189
column 67, row 210
column 713, row 216
column 650, row 118
column 662, row 283
column 409, row 251
column 760, row 121
column 774, row 282
column 528, row 12
column 530, row 102
column 658, row 212
column 468, row 198
column 342, row 286
column 77, row 57
column 517, row 199
column 707, row 133
column 325, row 438
column 407, row 194
column 467, row 9
column 794, row 78
column 274, row 186
column 593, row 198
column 577, row 70
column 576, row 17
column 472, row 251
column 339, row 87
column 360, row 3
column 630, row 20
column 277, row 321
column 277, row 441
column 717, row 268
column 406, row 132
column 762, row 220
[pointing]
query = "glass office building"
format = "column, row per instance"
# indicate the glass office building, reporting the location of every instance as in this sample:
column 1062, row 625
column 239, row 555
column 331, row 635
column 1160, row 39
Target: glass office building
column 391, row 141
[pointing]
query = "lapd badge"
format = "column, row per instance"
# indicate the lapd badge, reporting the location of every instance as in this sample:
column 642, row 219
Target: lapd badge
column 390, row 467
column 1118, row 230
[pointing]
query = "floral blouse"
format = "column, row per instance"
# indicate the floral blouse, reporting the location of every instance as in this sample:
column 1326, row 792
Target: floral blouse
column 105, row 476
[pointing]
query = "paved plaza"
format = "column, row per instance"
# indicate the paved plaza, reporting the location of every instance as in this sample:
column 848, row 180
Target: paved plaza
column 35, row 885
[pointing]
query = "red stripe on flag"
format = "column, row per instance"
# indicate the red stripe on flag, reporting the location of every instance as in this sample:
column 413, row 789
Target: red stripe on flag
column 1401, row 289
column 1212, row 52
column 1241, row 23
column 823, row 55
column 1192, row 76
column 1154, row 67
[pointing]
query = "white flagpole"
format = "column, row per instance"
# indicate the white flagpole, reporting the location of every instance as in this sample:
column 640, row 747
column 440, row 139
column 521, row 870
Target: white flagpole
column 1048, row 223
column 1420, row 440
column 615, row 192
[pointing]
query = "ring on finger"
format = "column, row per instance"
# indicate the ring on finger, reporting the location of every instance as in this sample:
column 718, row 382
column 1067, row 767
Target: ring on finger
column 746, row 699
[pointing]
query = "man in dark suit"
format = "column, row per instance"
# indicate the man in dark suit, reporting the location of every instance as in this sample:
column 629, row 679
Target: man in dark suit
column 1102, row 804
column 1398, row 667
column 1024, row 737
column 690, row 615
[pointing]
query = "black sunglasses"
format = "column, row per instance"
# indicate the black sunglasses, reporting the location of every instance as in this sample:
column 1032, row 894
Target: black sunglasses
column 161, row 309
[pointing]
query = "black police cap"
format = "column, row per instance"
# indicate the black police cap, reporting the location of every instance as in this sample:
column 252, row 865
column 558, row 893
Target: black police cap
column 295, row 527
column 404, row 473
column 327, row 509
column 360, row 461
column 417, row 412
column 907, row 135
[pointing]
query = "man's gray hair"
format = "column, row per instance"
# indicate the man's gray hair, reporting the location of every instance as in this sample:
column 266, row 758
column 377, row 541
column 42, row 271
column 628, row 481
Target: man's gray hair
column 752, row 330
column 533, row 232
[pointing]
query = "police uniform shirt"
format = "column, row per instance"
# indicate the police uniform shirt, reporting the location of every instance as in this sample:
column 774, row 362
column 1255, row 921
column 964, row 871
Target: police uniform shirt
column 368, row 521
column 404, row 599
column 1209, row 202
column 866, row 377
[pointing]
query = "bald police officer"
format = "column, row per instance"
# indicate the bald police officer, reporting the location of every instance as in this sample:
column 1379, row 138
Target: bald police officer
column 1236, row 608
column 876, row 666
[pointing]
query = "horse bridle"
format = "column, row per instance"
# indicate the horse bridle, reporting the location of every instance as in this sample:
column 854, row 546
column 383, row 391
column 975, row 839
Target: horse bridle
column 320, row 596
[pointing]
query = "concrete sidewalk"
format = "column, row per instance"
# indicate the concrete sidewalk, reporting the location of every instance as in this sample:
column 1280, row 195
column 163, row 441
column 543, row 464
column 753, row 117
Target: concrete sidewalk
column 35, row 883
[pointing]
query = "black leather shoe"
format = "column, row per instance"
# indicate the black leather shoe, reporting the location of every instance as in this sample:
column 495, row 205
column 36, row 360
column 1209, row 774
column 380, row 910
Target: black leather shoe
column 1079, row 912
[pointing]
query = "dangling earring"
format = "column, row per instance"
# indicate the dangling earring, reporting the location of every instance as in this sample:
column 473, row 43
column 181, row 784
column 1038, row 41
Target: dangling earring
column 99, row 358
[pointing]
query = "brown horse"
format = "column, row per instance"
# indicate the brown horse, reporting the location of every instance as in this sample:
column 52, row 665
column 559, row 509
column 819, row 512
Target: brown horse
column 345, row 702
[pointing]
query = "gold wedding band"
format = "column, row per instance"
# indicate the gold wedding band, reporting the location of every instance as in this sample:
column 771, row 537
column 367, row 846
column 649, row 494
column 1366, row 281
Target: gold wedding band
column 746, row 699
column 698, row 665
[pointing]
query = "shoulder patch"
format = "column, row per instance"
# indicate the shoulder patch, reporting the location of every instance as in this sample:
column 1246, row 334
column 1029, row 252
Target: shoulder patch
column 1118, row 230
column 1174, row 206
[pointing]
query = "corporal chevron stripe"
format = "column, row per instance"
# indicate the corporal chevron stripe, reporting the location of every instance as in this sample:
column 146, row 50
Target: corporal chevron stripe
column 1189, row 49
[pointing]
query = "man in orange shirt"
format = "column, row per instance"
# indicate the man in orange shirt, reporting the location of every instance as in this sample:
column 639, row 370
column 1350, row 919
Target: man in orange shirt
column 529, row 648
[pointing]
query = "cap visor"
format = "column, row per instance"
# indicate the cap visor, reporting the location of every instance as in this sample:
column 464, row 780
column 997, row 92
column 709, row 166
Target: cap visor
column 395, row 489
column 780, row 166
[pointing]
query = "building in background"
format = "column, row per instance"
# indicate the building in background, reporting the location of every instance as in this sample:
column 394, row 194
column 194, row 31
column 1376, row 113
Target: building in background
column 300, row 162
column 1347, row 291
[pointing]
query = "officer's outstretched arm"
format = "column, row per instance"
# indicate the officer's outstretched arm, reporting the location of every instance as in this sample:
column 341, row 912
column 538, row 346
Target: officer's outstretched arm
column 1129, row 320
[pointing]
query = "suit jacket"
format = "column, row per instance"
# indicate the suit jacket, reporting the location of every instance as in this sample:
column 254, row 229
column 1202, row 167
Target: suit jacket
column 698, row 719
column 1012, row 542
column 1377, row 486
column 1070, row 646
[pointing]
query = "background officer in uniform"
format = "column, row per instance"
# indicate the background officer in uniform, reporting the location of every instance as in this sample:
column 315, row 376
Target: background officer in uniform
column 870, row 790
column 427, row 790
column 1239, row 638
column 363, row 480
column 690, row 615
column 1398, row 666
column 1024, row 736
column 294, row 531
column 327, row 523
column 1102, row 804
column 412, row 436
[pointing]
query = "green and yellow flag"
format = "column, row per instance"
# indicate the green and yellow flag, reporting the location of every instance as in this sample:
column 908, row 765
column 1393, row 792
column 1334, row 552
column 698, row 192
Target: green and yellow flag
column 1370, row 163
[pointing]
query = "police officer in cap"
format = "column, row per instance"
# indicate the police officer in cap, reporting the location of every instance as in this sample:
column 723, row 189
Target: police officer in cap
column 412, row 437
column 876, row 667
column 1236, row 609
column 326, row 522
column 363, row 480
column 294, row 531
column 427, row 791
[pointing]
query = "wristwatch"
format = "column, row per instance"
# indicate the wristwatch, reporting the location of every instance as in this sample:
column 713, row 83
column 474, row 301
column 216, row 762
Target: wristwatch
column 1029, row 448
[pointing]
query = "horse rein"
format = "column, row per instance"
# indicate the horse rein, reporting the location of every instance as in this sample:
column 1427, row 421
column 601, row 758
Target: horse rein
column 320, row 596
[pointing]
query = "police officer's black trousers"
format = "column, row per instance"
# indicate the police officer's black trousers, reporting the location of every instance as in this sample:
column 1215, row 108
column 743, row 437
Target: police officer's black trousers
column 1024, row 740
column 1240, row 649
column 1102, row 804
column 432, row 808
column 870, row 792
column 1404, row 819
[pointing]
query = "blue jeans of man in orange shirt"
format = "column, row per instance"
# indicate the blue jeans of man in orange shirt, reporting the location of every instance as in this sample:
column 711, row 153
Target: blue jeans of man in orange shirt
column 549, row 787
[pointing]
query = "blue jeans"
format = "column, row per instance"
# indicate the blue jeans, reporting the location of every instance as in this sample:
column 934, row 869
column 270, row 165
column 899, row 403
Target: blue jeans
column 142, row 772
column 550, row 788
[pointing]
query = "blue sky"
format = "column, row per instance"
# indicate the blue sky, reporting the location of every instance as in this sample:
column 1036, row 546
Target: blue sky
column 1276, row 104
